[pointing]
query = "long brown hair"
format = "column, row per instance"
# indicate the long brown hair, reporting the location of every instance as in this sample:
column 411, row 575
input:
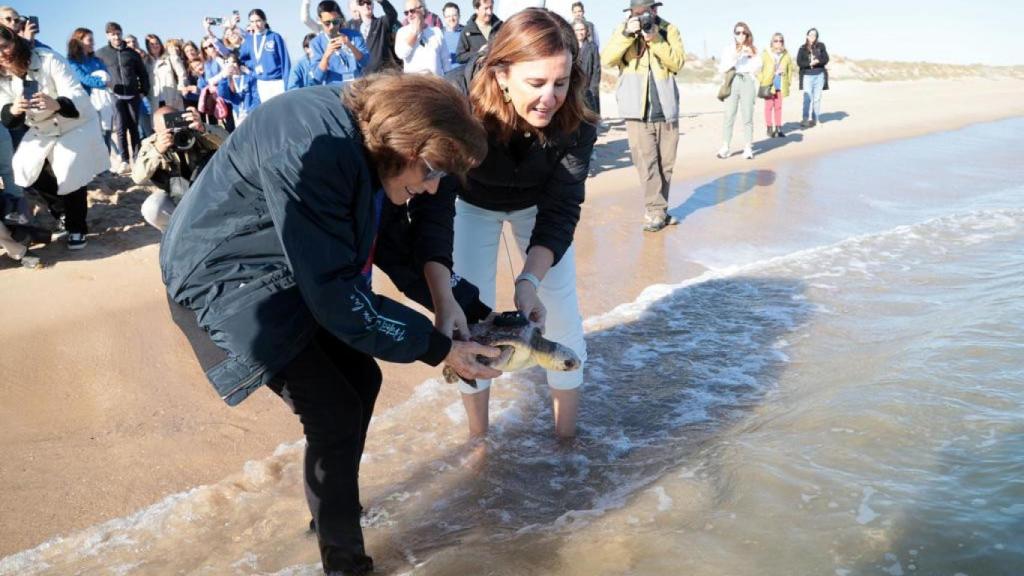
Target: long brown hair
column 155, row 38
column 21, row 54
column 76, row 49
column 750, row 35
column 403, row 117
column 530, row 34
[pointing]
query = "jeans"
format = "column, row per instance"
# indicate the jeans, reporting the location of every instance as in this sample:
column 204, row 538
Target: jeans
column 126, row 123
column 744, row 91
column 11, row 188
column 332, row 388
column 478, row 234
column 652, row 146
column 813, row 85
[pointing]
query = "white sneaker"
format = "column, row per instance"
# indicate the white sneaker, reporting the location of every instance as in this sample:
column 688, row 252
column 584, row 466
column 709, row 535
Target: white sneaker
column 748, row 152
column 723, row 152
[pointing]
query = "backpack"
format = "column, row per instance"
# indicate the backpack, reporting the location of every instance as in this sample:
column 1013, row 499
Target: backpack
column 211, row 103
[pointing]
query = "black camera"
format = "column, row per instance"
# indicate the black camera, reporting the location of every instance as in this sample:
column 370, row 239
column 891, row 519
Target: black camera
column 646, row 22
column 178, row 124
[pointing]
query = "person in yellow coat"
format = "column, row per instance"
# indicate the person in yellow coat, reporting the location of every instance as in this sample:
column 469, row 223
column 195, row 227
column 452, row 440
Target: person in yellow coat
column 777, row 74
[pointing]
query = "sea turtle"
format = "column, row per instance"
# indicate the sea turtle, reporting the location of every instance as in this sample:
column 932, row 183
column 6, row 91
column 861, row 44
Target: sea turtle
column 521, row 344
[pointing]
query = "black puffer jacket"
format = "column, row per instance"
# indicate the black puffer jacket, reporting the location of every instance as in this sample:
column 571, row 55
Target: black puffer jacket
column 524, row 173
column 272, row 242
column 128, row 74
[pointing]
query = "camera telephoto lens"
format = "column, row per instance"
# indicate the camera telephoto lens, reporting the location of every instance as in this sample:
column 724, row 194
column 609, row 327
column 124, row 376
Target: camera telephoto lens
column 184, row 139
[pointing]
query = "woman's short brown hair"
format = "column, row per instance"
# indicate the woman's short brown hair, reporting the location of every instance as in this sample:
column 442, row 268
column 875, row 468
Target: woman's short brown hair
column 404, row 117
column 530, row 34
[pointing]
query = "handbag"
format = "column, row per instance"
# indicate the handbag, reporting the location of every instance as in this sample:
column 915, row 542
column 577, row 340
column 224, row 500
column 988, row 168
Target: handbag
column 726, row 88
column 766, row 92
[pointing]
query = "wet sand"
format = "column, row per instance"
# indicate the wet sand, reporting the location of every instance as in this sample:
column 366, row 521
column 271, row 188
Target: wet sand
column 105, row 410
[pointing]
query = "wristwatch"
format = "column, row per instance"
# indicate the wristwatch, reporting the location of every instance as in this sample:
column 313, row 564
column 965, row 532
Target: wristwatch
column 527, row 277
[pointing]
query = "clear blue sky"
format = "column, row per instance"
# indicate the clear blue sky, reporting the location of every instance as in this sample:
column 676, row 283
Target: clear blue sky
column 954, row 31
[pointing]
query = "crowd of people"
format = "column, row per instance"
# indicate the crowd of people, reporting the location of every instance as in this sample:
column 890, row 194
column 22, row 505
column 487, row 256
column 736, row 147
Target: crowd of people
column 402, row 144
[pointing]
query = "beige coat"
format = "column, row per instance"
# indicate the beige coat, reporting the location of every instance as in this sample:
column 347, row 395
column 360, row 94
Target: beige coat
column 73, row 146
column 166, row 78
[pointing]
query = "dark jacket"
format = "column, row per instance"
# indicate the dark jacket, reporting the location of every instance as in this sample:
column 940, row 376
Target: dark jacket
column 590, row 62
column 380, row 41
column 472, row 39
column 524, row 173
column 128, row 74
column 803, row 61
column 274, row 239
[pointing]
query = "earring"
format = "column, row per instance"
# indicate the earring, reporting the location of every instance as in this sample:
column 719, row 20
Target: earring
column 505, row 94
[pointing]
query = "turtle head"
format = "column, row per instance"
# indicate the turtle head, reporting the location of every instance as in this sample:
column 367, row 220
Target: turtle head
column 554, row 356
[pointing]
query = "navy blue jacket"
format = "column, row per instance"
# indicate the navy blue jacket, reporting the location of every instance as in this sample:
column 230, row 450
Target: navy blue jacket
column 272, row 241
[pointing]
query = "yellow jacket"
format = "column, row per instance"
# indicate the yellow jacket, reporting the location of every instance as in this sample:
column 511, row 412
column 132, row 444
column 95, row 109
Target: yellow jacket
column 786, row 67
column 664, row 58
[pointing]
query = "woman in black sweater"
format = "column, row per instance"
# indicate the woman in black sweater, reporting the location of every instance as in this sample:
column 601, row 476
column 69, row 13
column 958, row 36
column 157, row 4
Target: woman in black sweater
column 812, row 59
column 528, row 92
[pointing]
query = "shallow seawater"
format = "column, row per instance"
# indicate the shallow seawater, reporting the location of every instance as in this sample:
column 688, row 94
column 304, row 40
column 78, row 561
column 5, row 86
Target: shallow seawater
column 850, row 402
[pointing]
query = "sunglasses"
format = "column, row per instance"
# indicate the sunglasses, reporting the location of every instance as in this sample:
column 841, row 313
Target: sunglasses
column 412, row 11
column 739, row 33
column 365, row 2
column 332, row 22
column 432, row 173
column 776, row 41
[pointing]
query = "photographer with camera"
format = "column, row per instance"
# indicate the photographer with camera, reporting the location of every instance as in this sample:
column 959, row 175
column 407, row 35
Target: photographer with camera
column 172, row 159
column 648, row 52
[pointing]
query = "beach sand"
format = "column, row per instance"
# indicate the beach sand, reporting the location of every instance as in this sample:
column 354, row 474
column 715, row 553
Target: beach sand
column 105, row 410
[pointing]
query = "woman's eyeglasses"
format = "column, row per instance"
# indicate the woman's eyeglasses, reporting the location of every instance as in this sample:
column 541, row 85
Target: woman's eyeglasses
column 740, row 33
column 412, row 11
column 432, row 173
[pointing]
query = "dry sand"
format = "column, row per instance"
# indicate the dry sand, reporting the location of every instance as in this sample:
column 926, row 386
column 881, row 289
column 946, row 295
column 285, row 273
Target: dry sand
column 105, row 411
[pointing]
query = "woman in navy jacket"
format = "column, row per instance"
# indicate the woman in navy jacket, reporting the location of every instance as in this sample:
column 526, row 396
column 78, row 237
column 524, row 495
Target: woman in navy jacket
column 266, row 54
column 528, row 91
column 267, row 263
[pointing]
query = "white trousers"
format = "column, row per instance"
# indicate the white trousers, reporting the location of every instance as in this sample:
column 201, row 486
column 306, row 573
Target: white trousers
column 477, row 243
column 267, row 89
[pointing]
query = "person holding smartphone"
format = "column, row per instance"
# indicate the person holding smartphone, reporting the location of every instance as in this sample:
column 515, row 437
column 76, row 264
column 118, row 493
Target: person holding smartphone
column 338, row 54
column 62, row 150
column 811, row 58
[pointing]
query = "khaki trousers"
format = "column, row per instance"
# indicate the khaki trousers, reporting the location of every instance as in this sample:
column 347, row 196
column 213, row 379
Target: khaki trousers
column 652, row 146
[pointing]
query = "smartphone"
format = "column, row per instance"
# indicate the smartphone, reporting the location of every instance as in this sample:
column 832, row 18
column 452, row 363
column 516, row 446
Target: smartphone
column 33, row 21
column 214, row 21
column 236, row 14
column 29, row 88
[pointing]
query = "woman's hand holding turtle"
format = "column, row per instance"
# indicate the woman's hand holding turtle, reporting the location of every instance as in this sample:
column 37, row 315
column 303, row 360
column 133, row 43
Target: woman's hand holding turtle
column 463, row 359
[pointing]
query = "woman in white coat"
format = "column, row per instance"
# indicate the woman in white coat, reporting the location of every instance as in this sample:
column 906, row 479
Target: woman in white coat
column 166, row 75
column 63, row 149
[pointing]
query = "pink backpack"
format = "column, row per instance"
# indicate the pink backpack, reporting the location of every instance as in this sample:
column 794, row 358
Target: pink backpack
column 211, row 103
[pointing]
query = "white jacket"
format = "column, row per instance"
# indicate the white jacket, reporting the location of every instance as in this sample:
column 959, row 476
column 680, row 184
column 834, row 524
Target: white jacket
column 166, row 77
column 73, row 146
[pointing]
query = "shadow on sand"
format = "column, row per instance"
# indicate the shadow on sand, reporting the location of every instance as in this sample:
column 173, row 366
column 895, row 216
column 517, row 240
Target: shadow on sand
column 721, row 190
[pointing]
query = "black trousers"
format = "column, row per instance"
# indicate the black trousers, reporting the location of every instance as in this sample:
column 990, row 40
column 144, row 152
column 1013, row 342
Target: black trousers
column 72, row 206
column 126, row 123
column 332, row 388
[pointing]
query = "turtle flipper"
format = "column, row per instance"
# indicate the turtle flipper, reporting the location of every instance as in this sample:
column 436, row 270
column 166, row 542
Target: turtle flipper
column 451, row 377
